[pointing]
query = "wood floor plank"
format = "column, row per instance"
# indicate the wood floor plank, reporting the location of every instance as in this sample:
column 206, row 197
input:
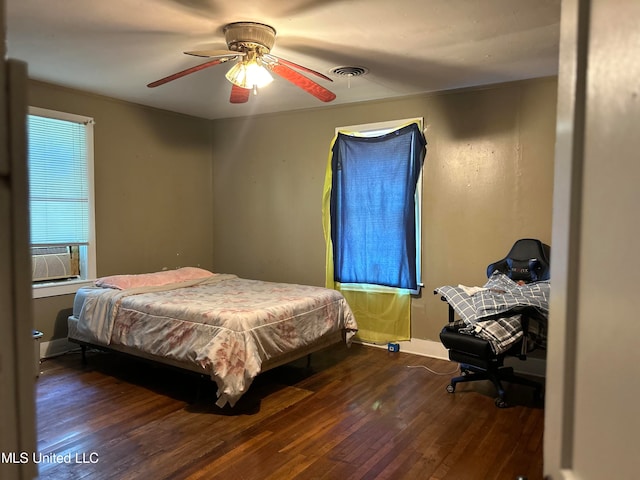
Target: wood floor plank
column 357, row 413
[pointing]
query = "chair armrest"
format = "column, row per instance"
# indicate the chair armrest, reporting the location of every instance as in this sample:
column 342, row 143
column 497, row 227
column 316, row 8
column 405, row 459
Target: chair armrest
column 452, row 313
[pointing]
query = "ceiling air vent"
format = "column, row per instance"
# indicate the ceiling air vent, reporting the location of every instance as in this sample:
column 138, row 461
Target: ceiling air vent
column 349, row 71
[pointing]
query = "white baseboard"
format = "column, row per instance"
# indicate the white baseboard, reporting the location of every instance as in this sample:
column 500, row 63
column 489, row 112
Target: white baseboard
column 535, row 366
column 56, row 347
column 427, row 348
column 417, row 346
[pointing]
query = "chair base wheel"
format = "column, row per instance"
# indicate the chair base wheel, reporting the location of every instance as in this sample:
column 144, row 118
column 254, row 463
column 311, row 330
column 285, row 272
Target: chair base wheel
column 501, row 402
column 451, row 388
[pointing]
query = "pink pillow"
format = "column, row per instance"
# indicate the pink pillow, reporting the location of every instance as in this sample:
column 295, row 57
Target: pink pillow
column 122, row 282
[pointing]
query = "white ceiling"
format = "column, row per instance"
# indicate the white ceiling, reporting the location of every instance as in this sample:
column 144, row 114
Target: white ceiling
column 116, row 47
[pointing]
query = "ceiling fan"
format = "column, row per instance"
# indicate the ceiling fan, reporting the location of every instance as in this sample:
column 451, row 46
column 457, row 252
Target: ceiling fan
column 250, row 45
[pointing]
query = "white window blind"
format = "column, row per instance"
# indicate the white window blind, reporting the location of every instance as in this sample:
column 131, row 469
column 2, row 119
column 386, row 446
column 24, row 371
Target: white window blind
column 58, row 181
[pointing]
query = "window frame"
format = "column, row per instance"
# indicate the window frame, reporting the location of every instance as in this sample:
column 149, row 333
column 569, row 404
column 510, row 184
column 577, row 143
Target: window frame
column 372, row 130
column 88, row 256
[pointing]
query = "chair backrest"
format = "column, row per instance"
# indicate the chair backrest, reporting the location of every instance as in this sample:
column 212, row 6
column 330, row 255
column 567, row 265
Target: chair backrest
column 528, row 260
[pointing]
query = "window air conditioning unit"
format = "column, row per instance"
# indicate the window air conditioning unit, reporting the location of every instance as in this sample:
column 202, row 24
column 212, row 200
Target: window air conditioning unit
column 50, row 263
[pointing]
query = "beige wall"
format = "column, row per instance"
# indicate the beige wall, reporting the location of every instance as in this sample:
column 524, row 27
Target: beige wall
column 152, row 188
column 488, row 181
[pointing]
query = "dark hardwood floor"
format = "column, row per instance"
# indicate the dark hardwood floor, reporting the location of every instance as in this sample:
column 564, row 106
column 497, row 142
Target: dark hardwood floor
column 357, row 413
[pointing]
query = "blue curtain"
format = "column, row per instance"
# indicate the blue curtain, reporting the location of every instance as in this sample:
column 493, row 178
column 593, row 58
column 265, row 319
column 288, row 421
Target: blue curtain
column 372, row 207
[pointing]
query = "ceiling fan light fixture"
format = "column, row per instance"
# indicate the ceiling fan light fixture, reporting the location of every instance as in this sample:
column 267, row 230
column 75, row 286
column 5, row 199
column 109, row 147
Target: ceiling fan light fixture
column 250, row 74
column 258, row 75
column 250, row 44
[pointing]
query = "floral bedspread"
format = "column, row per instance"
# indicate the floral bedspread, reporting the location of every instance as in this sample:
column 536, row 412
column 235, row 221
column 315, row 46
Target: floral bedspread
column 224, row 323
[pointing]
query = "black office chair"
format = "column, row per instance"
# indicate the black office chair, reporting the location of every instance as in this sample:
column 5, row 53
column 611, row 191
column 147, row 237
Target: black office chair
column 528, row 260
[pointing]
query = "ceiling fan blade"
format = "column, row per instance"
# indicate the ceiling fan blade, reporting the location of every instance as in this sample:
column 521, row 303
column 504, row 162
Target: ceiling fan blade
column 175, row 76
column 239, row 94
column 215, row 53
column 303, row 82
column 299, row 67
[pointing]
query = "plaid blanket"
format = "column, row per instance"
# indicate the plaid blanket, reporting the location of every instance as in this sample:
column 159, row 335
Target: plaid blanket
column 484, row 310
column 501, row 333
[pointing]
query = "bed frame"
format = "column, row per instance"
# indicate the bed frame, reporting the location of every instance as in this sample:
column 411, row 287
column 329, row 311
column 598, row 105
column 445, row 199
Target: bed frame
column 269, row 364
column 320, row 344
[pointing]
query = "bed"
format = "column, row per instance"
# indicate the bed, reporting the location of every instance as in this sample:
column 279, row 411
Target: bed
column 219, row 325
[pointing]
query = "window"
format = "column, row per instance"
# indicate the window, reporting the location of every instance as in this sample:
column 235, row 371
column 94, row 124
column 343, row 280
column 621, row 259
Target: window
column 376, row 204
column 60, row 161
